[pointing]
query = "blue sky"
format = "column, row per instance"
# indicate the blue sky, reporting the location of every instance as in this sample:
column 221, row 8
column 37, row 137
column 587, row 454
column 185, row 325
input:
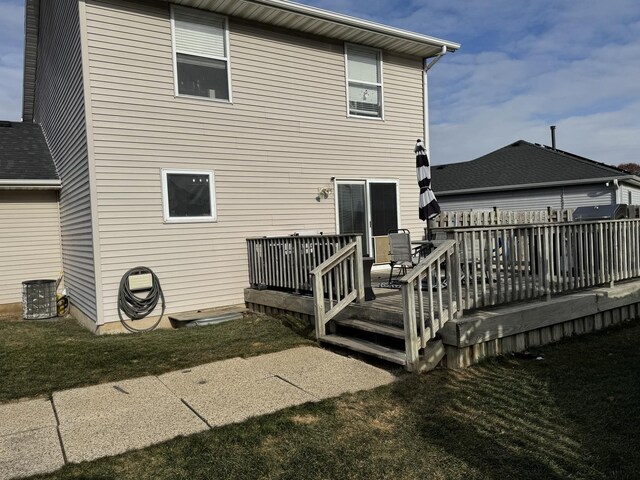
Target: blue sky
column 523, row 66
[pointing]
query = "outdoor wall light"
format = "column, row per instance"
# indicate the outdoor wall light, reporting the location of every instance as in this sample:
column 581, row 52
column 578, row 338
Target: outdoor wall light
column 324, row 193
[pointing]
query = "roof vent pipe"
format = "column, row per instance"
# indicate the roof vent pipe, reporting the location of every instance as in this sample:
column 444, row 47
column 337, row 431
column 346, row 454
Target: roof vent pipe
column 553, row 137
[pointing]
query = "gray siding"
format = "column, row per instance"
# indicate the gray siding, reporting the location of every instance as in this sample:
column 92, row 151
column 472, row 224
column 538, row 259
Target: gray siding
column 587, row 195
column 29, row 240
column 59, row 108
column 531, row 199
column 284, row 137
column 629, row 192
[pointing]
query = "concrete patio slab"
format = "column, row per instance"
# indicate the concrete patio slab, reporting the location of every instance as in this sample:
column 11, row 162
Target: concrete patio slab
column 28, row 415
column 216, row 373
column 116, row 417
column 30, row 452
column 322, row 373
column 222, row 399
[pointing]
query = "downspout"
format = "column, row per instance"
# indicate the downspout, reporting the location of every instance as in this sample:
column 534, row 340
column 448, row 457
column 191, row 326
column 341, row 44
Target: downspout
column 425, row 96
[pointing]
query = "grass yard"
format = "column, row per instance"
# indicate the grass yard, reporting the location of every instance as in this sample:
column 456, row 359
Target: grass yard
column 37, row 358
column 576, row 414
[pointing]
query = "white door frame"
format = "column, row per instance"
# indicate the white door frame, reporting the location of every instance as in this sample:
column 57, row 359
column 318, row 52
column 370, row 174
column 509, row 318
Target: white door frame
column 367, row 188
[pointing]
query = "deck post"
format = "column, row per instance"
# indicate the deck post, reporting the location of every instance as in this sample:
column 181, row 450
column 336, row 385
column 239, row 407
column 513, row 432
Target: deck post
column 410, row 327
column 318, row 307
column 359, row 270
column 457, row 282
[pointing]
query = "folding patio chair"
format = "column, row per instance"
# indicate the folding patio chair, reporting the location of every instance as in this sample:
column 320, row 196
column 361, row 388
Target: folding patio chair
column 401, row 253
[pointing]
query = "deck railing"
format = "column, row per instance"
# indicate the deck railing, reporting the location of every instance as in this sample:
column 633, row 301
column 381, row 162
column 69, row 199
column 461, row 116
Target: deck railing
column 337, row 282
column 486, row 218
column 511, row 263
column 430, row 276
column 285, row 263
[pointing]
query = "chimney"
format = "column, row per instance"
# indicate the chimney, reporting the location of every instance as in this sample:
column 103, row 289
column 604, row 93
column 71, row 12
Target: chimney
column 553, row 137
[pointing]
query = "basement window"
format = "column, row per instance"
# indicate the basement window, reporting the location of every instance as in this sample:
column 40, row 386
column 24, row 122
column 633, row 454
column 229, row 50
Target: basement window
column 364, row 81
column 201, row 54
column 188, row 196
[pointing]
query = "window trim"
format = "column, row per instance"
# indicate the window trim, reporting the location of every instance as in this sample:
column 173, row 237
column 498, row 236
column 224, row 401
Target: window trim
column 226, row 59
column 165, row 196
column 348, row 81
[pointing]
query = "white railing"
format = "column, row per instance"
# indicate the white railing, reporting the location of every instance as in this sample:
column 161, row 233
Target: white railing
column 486, row 218
column 285, row 263
column 337, row 282
column 443, row 298
column 512, row 263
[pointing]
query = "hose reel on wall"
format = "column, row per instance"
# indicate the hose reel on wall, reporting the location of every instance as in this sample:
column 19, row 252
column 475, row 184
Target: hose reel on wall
column 134, row 307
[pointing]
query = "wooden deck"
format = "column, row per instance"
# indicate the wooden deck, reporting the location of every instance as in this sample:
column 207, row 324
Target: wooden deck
column 486, row 269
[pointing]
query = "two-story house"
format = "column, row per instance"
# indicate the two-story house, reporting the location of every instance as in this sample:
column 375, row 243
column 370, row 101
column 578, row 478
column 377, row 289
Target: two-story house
column 180, row 128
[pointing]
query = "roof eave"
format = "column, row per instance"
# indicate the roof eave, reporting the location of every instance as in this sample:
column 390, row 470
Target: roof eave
column 629, row 178
column 32, row 8
column 302, row 17
column 15, row 184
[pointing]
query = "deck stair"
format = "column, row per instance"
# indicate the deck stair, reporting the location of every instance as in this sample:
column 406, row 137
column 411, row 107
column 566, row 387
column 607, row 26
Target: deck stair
column 338, row 283
column 382, row 341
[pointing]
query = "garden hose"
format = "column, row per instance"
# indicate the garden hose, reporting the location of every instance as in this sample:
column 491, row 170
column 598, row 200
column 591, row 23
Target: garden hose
column 136, row 308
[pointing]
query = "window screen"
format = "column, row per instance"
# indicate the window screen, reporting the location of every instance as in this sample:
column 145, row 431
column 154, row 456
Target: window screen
column 384, row 208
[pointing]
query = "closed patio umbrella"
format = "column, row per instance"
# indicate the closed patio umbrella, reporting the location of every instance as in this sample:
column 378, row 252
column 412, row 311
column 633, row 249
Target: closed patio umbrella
column 429, row 207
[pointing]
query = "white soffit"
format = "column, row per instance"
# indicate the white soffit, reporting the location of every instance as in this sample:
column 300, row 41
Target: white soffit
column 315, row 21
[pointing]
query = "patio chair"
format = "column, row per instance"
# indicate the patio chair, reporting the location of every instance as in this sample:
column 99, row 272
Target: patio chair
column 401, row 253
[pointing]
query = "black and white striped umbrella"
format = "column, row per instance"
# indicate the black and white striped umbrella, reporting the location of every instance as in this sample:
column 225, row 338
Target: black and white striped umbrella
column 429, row 207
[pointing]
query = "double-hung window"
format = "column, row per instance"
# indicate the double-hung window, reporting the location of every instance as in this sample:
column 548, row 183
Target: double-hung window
column 188, row 196
column 201, row 54
column 364, row 79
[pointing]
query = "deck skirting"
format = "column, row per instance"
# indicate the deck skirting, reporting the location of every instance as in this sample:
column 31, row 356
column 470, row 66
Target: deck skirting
column 517, row 328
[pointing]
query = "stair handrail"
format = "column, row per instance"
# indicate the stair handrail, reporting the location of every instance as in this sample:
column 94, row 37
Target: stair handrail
column 416, row 332
column 341, row 278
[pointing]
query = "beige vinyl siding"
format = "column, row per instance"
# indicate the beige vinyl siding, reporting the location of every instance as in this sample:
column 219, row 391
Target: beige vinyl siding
column 284, row 137
column 59, row 108
column 29, row 240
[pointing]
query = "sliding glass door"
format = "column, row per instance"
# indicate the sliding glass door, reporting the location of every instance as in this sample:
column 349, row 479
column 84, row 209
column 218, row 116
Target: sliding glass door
column 367, row 207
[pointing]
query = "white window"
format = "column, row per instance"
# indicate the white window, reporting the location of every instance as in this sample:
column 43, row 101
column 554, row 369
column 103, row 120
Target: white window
column 364, row 81
column 201, row 54
column 188, row 196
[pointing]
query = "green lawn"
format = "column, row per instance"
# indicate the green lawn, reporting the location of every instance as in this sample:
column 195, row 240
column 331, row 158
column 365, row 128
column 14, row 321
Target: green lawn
column 575, row 414
column 37, row 358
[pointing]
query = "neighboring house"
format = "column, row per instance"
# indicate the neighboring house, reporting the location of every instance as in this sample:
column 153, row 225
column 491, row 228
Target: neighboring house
column 527, row 176
column 29, row 219
column 178, row 133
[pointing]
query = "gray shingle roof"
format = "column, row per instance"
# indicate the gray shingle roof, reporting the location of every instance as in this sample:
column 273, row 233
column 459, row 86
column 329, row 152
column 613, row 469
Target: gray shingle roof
column 520, row 163
column 24, row 154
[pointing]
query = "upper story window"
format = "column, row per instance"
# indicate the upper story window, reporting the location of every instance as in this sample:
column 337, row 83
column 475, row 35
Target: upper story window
column 201, row 54
column 364, row 78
